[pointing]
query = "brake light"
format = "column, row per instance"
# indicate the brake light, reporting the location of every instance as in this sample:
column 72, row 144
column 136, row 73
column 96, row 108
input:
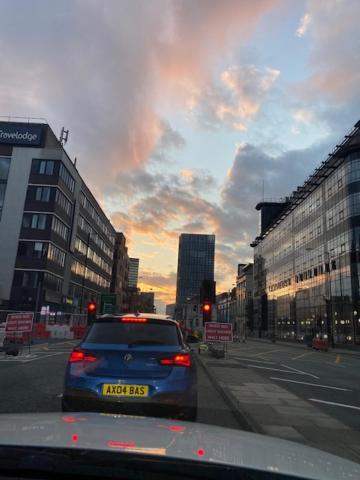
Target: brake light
column 133, row 320
column 80, row 356
column 176, row 428
column 182, row 360
column 69, row 419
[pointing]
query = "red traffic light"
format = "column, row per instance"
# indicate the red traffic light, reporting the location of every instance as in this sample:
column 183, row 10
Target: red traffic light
column 91, row 307
column 206, row 307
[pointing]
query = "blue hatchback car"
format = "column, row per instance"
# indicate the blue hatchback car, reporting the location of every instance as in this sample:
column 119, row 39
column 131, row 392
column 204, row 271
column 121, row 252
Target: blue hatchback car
column 135, row 363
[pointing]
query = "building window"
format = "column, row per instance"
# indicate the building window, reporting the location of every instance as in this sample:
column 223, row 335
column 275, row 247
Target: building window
column 34, row 221
column 60, row 228
column 63, row 202
column 43, row 167
column 51, row 282
column 56, row 255
column 67, row 178
column 38, row 221
column 32, row 249
column 42, row 194
column 26, row 279
column 40, row 249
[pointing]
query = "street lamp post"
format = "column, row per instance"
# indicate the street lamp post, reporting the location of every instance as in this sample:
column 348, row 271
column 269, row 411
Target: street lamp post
column 355, row 325
column 84, row 276
column 330, row 326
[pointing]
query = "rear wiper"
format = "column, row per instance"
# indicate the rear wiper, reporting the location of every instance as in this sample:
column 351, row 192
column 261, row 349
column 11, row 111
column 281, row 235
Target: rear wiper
column 145, row 342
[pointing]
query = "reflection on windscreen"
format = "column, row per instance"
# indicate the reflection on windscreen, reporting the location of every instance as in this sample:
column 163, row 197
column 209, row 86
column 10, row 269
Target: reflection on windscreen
column 133, row 334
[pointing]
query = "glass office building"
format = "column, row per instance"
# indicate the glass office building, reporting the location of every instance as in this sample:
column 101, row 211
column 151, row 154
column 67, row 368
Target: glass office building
column 306, row 258
column 195, row 264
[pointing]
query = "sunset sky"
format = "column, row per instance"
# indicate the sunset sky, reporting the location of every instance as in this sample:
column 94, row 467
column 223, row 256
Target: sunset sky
column 179, row 110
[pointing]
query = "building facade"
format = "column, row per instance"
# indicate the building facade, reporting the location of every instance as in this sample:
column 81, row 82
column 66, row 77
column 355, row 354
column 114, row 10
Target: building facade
column 195, row 264
column 120, row 272
column 191, row 314
column 306, row 258
column 226, row 307
column 56, row 243
column 170, row 309
column 244, row 301
column 147, row 302
column 133, row 272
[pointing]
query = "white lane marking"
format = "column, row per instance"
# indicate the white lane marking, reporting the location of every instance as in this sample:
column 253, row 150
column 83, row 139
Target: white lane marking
column 299, row 371
column 311, row 384
column 275, row 369
column 337, row 365
column 266, row 353
column 334, row 403
column 253, row 360
column 303, row 355
column 23, row 359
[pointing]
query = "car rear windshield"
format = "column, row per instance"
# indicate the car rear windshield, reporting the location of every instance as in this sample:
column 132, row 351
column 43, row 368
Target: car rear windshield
column 113, row 331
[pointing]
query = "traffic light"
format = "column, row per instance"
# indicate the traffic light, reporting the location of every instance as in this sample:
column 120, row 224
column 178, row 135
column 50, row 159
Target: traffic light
column 206, row 311
column 91, row 313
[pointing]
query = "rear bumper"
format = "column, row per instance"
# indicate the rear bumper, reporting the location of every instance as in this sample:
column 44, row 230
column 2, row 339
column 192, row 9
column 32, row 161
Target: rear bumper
column 160, row 405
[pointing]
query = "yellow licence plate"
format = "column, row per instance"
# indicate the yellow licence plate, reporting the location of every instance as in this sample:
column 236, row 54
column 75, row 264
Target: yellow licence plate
column 117, row 390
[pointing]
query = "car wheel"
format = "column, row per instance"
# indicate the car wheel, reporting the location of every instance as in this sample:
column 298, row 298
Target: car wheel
column 66, row 406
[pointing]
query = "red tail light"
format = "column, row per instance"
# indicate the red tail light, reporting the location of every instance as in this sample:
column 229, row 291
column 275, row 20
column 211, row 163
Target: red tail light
column 80, row 356
column 182, row 360
column 133, row 320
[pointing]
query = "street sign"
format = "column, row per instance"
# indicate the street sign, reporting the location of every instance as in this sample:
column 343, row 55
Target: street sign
column 108, row 303
column 108, row 308
column 218, row 332
column 19, row 322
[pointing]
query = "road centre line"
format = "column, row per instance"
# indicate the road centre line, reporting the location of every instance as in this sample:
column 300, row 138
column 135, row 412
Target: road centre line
column 303, row 355
column 311, row 384
column 276, row 369
column 334, row 403
column 299, row 371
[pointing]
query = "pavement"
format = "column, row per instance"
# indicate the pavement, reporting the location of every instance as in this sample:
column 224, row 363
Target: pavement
column 345, row 350
column 293, row 393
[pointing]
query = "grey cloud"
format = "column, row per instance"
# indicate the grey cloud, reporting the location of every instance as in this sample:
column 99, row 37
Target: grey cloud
column 332, row 88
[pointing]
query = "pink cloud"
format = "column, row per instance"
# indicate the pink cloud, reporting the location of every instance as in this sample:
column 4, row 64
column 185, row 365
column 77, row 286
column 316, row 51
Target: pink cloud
column 118, row 61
